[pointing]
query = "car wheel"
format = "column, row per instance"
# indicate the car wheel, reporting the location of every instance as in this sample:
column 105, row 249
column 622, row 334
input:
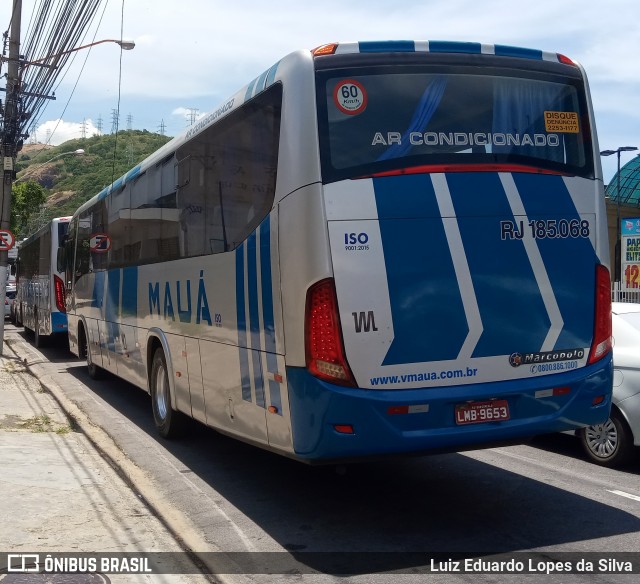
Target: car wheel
column 169, row 422
column 609, row 444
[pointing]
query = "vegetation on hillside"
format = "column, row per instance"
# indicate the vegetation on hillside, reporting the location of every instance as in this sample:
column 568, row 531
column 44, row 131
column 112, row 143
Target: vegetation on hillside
column 26, row 200
column 70, row 179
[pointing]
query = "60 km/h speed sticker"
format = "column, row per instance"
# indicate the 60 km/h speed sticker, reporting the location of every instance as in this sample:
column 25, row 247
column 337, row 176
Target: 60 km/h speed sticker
column 350, row 97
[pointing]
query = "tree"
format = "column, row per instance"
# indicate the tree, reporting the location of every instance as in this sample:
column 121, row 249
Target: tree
column 26, row 200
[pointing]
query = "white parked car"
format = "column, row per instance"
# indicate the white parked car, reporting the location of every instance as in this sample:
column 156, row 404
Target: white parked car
column 8, row 300
column 612, row 443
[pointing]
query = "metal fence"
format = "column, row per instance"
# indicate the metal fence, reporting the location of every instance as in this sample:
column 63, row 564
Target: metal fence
column 620, row 294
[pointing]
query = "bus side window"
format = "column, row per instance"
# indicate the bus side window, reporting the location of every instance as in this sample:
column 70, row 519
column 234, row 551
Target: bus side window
column 226, row 177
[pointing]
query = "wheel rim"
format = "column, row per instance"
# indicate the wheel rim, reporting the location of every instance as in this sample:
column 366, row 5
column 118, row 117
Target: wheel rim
column 161, row 393
column 87, row 351
column 602, row 439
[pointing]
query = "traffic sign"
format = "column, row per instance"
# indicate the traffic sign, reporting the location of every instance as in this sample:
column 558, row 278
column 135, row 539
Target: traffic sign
column 7, row 240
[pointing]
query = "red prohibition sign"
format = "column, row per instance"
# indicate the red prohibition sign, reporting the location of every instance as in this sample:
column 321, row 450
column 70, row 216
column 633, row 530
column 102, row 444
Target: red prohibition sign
column 7, row 240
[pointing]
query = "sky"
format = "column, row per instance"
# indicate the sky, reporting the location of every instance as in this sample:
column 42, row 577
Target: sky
column 192, row 54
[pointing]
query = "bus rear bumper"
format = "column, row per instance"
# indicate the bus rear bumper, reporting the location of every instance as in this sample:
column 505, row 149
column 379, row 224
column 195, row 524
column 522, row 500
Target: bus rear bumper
column 331, row 423
column 58, row 322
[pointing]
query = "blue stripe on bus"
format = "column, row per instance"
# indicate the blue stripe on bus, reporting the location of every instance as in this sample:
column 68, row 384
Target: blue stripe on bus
column 267, row 312
column 387, row 46
column 260, row 85
column 574, row 285
column 507, row 51
column 258, row 379
column 130, row 291
column 249, row 92
column 98, row 289
column 272, row 75
column 252, row 288
column 266, row 284
column 242, row 325
column 254, row 316
column 513, row 319
column 454, row 47
column 113, row 295
column 423, row 289
column 133, row 173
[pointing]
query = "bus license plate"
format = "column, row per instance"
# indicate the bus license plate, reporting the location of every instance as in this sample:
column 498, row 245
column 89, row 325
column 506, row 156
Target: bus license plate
column 480, row 412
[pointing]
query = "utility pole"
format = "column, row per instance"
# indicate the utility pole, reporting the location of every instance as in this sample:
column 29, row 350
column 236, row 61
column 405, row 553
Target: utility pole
column 9, row 147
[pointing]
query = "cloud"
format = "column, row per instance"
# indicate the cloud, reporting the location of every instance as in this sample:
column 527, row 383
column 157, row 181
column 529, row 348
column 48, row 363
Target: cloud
column 56, row 132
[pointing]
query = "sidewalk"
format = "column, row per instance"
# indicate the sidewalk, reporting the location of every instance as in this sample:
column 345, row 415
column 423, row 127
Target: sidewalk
column 59, row 495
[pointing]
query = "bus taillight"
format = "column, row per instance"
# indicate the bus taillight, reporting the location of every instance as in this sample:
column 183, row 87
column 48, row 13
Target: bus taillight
column 323, row 339
column 564, row 59
column 59, row 291
column 602, row 327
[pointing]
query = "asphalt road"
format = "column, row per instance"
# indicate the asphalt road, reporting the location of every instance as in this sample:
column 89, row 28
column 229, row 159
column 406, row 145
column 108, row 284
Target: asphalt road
column 382, row 520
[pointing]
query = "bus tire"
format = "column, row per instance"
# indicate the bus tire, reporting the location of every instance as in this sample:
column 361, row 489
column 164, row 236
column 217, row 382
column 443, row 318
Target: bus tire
column 95, row 372
column 609, row 444
column 168, row 421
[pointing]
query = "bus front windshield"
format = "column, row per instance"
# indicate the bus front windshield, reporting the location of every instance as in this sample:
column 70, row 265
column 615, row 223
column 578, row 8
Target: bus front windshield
column 384, row 120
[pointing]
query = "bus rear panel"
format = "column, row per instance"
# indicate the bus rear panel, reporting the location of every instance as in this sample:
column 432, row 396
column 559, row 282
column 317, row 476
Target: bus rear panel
column 40, row 287
column 469, row 296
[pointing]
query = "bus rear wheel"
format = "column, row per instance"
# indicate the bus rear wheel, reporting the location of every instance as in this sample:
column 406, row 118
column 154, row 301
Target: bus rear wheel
column 168, row 421
column 94, row 371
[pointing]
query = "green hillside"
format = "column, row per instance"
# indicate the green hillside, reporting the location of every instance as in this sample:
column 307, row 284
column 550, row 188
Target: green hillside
column 71, row 179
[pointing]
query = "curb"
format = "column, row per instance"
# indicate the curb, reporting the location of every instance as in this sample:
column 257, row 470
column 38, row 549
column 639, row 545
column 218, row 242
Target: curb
column 177, row 524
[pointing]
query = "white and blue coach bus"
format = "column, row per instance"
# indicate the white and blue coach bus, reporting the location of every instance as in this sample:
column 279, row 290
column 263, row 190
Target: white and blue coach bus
column 373, row 248
column 40, row 289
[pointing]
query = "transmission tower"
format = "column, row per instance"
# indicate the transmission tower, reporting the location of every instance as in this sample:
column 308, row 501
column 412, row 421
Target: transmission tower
column 115, row 119
column 99, row 124
column 129, row 122
column 193, row 115
column 162, row 128
column 83, row 129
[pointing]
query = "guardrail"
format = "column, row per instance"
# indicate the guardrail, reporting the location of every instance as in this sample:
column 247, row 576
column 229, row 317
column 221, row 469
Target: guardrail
column 620, row 294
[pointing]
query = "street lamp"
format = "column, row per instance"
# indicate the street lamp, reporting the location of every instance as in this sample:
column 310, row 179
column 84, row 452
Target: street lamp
column 124, row 45
column 618, row 248
column 31, row 169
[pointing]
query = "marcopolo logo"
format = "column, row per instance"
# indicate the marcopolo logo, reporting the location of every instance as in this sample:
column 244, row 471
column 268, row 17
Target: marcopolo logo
column 517, row 359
